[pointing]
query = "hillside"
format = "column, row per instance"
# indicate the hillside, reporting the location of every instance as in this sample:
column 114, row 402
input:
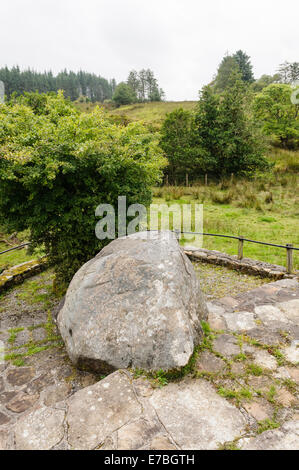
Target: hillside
column 153, row 112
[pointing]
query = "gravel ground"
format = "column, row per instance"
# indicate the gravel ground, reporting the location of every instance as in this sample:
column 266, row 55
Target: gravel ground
column 217, row 281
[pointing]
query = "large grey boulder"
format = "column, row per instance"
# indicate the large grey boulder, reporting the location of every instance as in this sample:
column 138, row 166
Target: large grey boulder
column 136, row 304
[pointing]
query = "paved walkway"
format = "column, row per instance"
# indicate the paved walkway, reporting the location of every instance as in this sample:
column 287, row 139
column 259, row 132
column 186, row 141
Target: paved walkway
column 240, row 392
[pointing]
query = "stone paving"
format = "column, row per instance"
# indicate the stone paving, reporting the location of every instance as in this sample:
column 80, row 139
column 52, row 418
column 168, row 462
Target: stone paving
column 240, row 391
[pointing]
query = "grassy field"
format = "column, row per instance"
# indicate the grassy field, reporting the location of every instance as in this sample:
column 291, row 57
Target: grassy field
column 12, row 258
column 262, row 210
column 151, row 113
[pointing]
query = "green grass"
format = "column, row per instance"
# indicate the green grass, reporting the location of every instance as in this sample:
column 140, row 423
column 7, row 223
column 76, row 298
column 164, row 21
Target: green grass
column 242, row 207
column 266, row 425
column 13, row 334
column 12, row 258
column 151, row 113
column 154, row 112
column 271, row 395
column 239, row 395
column 285, row 160
column 15, row 257
column 254, row 369
column 37, row 291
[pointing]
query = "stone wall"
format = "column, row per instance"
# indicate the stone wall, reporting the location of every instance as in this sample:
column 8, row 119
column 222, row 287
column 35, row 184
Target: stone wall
column 246, row 265
column 17, row 274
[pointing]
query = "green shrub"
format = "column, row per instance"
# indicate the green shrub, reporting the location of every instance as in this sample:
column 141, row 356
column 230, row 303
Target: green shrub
column 277, row 114
column 57, row 167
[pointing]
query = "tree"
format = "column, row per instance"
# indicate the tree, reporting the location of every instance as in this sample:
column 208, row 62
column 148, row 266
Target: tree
column 228, row 136
column 226, row 70
column 289, row 72
column 245, row 67
column 207, row 125
column 278, row 115
column 178, row 141
column 133, row 81
column 145, row 85
column 240, row 142
column 74, row 85
column 124, row 95
column 57, row 167
column 264, row 81
column 238, row 63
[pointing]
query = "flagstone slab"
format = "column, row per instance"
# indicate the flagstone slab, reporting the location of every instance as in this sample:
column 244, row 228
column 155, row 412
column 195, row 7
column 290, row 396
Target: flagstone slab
column 196, row 416
column 284, row 438
column 40, row 430
column 97, row 411
column 292, row 352
column 226, row 345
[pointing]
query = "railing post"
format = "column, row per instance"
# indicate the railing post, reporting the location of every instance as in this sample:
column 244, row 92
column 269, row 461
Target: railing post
column 240, row 248
column 289, row 258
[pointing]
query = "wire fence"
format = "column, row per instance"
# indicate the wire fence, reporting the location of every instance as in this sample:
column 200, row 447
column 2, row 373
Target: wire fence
column 19, row 247
column 288, row 247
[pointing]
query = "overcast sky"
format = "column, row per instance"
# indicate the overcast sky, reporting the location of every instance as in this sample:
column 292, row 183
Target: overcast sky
column 182, row 41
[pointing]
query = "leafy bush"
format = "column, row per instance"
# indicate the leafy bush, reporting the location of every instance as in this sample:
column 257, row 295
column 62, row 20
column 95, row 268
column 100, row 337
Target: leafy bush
column 278, row 115
column 57, row 167
column 124, row 95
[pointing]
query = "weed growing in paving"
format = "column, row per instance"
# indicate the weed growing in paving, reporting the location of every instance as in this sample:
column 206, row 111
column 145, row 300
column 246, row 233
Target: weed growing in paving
column 290, row 385
column 233, row 445
column 272, row 394
column 239, row 395
column 240, row 357
column 266, row 425
column 13, row 334
column 254, row 369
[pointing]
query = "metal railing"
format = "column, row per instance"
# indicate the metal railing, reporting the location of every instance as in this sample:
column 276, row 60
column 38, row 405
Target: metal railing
column 19, row 247
column 289, row 247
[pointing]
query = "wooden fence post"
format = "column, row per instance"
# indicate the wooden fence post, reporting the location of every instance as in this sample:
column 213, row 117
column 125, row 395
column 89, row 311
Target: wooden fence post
column 240, row 248
column 187, row 180
column 206, row 179
column 289, row 258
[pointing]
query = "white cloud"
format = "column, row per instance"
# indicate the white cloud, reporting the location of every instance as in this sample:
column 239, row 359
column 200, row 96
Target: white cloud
column 183, row 41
